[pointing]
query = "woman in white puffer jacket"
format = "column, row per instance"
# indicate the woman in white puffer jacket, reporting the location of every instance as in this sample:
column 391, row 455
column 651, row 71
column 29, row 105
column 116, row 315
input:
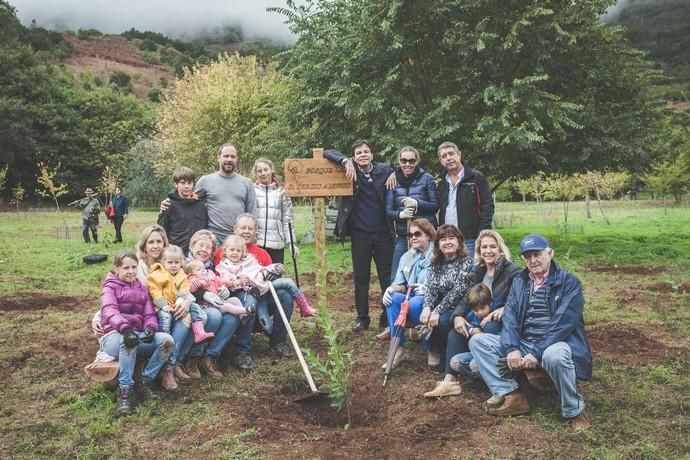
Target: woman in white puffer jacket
column 273, row 212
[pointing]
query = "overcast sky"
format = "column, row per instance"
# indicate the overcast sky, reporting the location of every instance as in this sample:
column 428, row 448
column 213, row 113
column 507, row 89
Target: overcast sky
column 172, row 17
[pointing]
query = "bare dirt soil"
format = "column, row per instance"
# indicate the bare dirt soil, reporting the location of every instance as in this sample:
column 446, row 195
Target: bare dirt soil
column 101, row 56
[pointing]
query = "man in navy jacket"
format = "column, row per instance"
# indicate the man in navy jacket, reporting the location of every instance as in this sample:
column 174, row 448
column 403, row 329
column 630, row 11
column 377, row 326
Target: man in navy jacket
column 363, row 217
column 543, row 327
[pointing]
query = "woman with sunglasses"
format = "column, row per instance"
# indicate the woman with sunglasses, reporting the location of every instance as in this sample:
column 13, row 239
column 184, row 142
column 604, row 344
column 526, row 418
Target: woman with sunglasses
column 415, row 196
column 412, row 273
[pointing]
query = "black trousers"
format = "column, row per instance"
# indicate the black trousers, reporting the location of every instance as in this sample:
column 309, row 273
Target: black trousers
column 365, row 246
column 117, row 221
column 277, row 255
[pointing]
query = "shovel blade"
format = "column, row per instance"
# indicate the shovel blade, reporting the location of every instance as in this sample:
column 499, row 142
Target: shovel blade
column 315, row 396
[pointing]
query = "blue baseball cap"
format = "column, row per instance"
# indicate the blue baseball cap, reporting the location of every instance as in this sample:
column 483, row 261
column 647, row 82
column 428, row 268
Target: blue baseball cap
column 533, row 242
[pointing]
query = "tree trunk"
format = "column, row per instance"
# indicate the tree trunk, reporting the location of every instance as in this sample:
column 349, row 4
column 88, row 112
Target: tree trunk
column 588, row 204
column 601, row 208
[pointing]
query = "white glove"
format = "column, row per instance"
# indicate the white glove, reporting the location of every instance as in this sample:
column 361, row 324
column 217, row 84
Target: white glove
column 407, row 213
column 212, row 298
column 296, row 249
column 419, row 289
column 409, row 202
column 223, row 293
column 388, row 296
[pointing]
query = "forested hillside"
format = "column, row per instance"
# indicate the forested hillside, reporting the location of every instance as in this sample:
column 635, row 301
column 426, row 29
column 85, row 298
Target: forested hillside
column 662, row 27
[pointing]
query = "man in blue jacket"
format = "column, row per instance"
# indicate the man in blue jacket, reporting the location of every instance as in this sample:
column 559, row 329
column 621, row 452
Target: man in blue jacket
column 363, row 217
column 543, row 327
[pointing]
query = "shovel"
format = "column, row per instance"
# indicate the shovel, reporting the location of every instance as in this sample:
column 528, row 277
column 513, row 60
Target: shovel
column 316, row 394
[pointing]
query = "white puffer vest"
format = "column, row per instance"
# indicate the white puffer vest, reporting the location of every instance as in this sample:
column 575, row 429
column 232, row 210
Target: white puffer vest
column 273, row 214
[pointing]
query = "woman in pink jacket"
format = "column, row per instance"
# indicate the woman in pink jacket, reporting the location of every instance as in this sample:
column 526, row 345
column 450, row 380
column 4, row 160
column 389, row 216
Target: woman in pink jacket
column 130, row 328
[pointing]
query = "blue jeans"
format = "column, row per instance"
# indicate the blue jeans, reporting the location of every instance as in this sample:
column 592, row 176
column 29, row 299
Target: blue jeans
column 557, row 362
column 399, row 249
column 179, row 328
column 289, row 285
column 212, row 319
column 393, row 310
column 279, row 334
column 230, row 325
column 469, row 245
column 465, row 365
column 159, row 350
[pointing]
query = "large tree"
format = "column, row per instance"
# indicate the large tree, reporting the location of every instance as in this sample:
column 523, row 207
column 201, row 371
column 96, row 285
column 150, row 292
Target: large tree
column 46, row 117
column 520, row 85
column 236, row 99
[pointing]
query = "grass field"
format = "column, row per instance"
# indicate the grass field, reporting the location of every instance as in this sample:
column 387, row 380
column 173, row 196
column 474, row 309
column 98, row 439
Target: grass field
column 635, row 272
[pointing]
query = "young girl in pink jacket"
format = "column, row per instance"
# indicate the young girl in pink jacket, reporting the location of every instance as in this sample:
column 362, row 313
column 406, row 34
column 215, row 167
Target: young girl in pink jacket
column 130, row 328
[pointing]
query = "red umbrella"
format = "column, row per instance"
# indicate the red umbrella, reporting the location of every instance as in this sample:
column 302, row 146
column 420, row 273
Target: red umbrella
column 398, row 326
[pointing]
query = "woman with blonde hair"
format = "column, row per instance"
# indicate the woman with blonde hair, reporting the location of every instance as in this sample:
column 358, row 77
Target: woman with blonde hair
column 493, row 268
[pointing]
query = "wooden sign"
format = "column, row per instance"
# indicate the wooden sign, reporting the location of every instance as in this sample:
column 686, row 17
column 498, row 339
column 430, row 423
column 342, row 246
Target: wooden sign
column 316, row 177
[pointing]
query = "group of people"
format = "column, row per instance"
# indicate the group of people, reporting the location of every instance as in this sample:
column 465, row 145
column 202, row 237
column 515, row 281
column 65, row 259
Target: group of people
column 478, row 314
column 207, row 267
column 200, row 277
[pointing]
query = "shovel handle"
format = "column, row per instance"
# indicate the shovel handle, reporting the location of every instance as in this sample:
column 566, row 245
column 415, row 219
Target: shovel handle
column 298, row 351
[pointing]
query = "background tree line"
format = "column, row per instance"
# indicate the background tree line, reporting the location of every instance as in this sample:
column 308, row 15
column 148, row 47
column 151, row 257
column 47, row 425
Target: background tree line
column 521, row 86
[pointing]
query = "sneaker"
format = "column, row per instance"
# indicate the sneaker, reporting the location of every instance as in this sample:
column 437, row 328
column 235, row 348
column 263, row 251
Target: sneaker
column 143, row 391
column 433, row 358
column 361, row 324
column 282, row 350
column 168, row 379
column 445, row 389
column 210, row 367
column 579, row 422
column 244, row 361
column 385, row 335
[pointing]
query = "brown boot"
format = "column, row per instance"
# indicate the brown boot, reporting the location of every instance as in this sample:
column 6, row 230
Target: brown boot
column 515, row 403
column 191, row 365
column 181, row 375
column 579, row 422
column 209, row 366
column 168, row 379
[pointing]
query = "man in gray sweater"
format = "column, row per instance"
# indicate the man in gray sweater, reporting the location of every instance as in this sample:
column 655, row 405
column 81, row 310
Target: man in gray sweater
column 227, row 193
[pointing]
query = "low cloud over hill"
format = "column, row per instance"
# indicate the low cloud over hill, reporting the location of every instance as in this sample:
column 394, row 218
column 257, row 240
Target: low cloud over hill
column 176, row 18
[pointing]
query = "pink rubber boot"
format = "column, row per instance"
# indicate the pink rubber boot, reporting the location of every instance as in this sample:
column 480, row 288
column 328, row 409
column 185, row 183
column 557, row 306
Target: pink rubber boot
column 304, row 308
column 200, row 335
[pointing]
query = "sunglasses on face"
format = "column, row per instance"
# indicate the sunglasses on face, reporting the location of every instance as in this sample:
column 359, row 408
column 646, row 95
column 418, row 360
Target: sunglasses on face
column 416, row 234
column 409, row 161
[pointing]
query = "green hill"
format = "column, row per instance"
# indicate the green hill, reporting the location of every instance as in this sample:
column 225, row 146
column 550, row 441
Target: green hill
column 662, row 27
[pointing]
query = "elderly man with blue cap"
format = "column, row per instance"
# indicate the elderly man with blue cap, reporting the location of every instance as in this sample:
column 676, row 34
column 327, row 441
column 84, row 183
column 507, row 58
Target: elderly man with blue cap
column 543, row 328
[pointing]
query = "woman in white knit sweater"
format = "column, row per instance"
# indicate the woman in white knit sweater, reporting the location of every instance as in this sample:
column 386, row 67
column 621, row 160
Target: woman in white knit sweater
column 273, row 212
